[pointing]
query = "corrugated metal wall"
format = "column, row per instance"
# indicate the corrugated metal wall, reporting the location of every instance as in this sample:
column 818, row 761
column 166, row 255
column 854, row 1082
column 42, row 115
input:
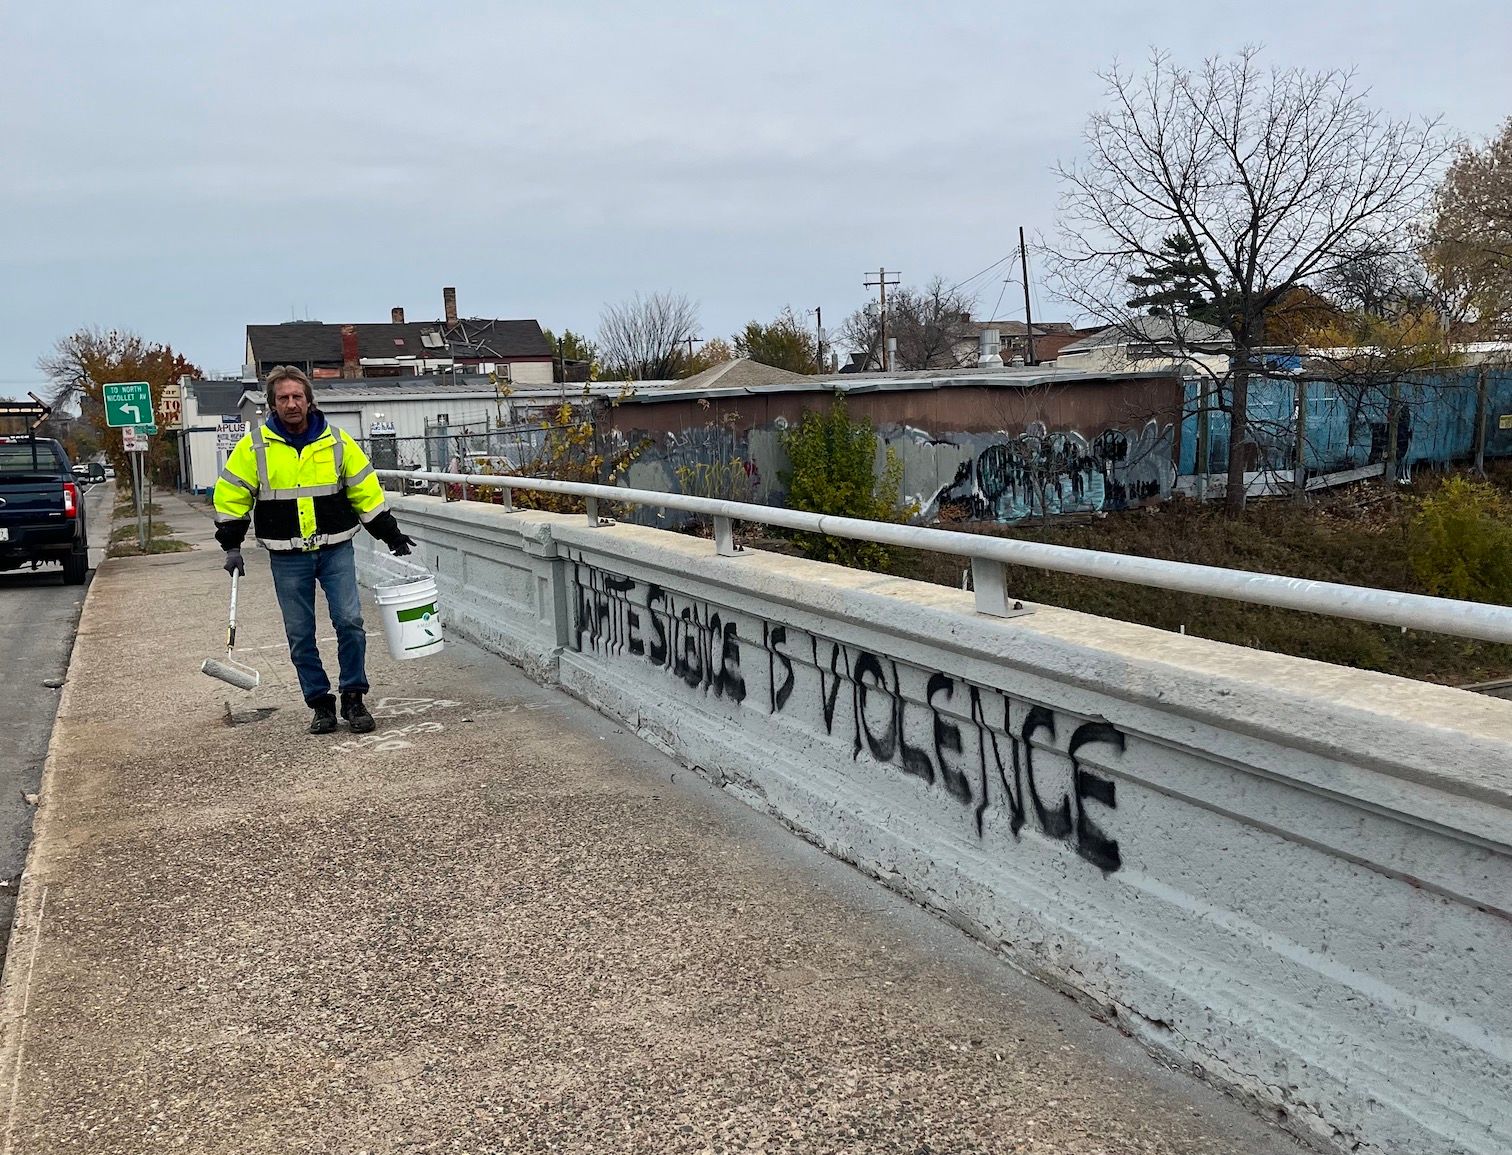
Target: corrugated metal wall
column 1346, row 422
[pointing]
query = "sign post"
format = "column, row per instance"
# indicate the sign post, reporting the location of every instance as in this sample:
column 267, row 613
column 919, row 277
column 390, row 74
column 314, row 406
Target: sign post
column 128, row 407
column 136, row 487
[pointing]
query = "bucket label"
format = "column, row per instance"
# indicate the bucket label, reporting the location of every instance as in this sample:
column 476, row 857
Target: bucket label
column 421, row 618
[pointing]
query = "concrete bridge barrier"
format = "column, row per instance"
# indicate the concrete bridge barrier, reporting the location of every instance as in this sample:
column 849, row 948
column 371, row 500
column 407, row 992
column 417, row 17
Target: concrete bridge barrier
column 1293, row 878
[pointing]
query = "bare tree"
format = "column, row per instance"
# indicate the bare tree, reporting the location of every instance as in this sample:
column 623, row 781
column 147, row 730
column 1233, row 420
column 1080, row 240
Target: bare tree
column 932, row 326
column 647, row 338
column 1274, row 177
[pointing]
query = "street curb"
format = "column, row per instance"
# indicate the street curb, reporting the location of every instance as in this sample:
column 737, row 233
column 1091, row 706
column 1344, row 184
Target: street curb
column 31, row 898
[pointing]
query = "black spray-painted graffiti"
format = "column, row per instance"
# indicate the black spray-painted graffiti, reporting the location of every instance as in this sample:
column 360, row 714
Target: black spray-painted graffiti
column 682, row 636
column 976, row 745
column 1038, row 472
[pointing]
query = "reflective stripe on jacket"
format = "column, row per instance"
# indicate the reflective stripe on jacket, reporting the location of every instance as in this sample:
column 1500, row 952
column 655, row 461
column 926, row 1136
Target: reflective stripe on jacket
column 298, row 499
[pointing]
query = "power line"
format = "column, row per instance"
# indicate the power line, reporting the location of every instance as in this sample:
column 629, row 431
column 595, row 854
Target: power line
column 1006, row 282
column 988, row 269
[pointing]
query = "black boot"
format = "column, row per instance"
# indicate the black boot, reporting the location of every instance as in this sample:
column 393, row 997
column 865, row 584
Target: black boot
column 324, row 721
column 355, row 712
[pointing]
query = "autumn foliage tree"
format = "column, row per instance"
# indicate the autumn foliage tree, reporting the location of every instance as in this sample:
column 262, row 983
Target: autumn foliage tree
column 784, row 342
column 1469, row 245
column 86, row 360
column 573, row 355
column 715, row 351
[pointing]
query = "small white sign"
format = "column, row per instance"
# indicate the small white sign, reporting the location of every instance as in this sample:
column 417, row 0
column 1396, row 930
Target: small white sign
column 132, row 441
column 228, row 433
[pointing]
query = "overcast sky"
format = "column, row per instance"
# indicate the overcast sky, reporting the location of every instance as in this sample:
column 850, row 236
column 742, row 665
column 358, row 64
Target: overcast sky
column 185, row 168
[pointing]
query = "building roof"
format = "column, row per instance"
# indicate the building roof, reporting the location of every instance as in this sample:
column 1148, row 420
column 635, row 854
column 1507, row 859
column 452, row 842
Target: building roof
column 337, row 391
column 870, row 381
column 306, row 341
column 474, row 336
column 219, row 396
column 1016, row 328
column 1154, row 331
column 738, row 374
column 1048, row 346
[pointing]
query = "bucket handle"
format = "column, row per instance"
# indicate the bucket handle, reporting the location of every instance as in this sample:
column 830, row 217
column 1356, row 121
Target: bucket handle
column 409, row 565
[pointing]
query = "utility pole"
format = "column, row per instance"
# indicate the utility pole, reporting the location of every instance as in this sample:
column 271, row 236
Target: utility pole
column 818, row 339
column 880, row 284
column 1028, row 316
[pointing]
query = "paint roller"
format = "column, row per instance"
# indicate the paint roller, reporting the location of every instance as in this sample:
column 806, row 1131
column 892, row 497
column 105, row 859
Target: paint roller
column 231, row 672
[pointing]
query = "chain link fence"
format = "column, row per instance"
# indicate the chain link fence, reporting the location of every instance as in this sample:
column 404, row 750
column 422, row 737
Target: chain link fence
column 462, row 450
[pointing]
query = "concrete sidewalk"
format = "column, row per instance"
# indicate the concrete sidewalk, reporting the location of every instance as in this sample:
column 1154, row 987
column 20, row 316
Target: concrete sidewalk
column 498, row 923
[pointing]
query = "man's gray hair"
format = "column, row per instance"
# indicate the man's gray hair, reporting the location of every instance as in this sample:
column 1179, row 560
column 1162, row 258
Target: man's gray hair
column 282, row 373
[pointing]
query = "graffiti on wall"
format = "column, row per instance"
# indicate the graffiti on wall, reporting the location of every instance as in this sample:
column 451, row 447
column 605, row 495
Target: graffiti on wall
column 1003, row 763
column 976, row 476
column 1038, row 473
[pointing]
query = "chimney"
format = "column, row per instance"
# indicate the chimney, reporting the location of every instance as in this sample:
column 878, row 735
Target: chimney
column 449, row 296
column 351, row 366
column 989, row 349
column 396, row 315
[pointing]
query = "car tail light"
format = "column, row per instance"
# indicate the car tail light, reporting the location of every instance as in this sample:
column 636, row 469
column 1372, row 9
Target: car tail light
column 70, row 499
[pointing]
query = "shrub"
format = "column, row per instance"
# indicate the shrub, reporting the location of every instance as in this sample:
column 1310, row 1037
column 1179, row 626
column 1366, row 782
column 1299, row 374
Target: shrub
column 1461, row 542
column 834, row 472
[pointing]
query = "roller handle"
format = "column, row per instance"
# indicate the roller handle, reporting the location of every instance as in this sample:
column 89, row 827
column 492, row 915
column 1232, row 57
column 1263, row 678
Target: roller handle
column 231, row 624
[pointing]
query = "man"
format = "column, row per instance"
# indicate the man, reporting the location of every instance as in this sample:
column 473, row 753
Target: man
column 307, row 488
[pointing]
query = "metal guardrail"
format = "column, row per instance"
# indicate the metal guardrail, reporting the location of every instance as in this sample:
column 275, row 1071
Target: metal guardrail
column 989, row 556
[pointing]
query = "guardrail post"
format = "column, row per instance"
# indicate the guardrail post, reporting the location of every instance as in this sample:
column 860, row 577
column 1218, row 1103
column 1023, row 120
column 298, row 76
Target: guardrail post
column 506, row 498
column 990, row 581
column 724, row 537
column 592, row 504
column 464, row 491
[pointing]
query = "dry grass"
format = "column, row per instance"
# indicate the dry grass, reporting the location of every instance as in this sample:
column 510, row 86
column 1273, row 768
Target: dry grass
column 1356, row 537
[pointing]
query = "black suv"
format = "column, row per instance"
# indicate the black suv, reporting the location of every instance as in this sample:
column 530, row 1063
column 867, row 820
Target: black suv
column 41, row 508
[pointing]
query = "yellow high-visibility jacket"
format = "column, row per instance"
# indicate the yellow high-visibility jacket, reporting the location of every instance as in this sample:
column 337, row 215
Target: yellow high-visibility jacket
column 299, row 499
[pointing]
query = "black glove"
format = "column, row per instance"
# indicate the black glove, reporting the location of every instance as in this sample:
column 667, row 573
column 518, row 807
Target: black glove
column 401, row 545
column 234, row 563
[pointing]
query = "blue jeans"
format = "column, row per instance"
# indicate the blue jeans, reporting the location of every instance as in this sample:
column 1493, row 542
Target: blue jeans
column 294, row 578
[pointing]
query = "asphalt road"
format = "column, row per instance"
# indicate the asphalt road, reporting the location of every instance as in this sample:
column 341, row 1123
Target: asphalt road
column 38, row 618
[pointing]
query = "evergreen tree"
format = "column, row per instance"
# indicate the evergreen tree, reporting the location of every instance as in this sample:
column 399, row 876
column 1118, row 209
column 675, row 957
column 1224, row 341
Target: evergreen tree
column 1175, row 282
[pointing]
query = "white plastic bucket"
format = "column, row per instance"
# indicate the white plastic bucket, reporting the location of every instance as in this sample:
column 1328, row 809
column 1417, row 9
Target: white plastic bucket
column 410, row 620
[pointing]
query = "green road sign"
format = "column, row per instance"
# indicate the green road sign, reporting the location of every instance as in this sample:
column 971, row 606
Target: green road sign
column 145, row 430
column 127, row 403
